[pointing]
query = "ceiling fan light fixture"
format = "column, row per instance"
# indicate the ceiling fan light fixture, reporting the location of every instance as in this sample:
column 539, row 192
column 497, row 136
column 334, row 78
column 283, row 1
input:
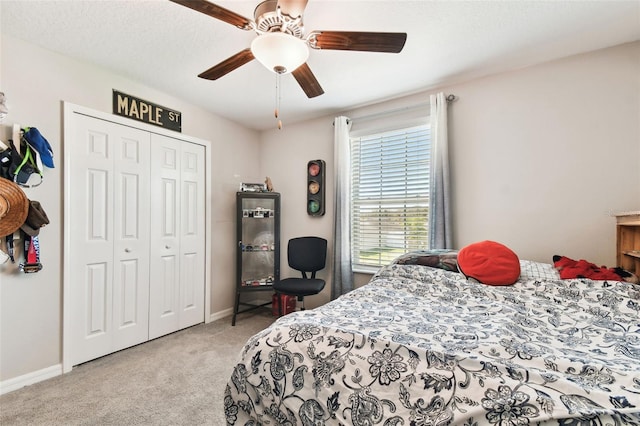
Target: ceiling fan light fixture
column 280, row 52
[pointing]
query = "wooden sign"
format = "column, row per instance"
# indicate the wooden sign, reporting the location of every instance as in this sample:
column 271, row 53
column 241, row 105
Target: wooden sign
column 147, row 112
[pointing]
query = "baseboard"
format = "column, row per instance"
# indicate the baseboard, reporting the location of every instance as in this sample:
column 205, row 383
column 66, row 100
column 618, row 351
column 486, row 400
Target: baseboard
column 16, row 383
column 221, row 314
column 228, row 312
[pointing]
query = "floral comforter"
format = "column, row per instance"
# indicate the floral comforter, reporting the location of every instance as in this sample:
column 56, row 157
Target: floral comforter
column 423, row 346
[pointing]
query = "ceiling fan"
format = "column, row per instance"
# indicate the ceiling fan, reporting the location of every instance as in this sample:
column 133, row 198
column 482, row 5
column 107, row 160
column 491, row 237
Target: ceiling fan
column 281, row 45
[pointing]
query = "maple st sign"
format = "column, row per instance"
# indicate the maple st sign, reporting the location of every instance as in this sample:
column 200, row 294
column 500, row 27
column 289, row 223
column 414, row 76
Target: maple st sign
column 147, row 112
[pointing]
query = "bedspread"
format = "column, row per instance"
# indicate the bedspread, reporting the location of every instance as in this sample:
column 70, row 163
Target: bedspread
column 424, row 346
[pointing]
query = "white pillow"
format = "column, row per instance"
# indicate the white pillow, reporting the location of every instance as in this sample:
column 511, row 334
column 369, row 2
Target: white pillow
column 530, row 270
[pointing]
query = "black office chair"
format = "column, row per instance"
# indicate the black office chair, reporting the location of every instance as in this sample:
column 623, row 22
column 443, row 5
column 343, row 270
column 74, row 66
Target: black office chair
column 307, row 255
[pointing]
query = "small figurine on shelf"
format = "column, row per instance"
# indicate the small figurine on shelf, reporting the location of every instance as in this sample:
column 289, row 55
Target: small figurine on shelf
column 268, row 184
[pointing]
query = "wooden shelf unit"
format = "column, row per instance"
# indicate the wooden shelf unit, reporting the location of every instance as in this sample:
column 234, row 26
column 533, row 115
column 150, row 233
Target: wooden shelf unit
column 628, row 241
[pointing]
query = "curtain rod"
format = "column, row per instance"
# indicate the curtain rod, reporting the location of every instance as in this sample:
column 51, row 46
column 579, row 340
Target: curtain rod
column 449, row 98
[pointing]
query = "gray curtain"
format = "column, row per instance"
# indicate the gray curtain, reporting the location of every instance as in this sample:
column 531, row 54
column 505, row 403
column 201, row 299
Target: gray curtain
column 440, row 235
column 342, row 280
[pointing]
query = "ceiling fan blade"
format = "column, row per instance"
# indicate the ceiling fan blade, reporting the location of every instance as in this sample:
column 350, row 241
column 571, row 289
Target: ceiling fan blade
column 217, row 12
column 307, row 81
column 228, row 65
column 292, row 8
column 353, row 40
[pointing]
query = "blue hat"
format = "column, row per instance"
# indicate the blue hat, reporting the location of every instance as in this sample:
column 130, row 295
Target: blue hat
column 40, row 144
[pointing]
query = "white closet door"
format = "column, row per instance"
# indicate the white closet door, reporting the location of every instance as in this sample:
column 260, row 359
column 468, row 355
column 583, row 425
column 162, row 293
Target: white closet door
column 109, row 278
column 192, row 235
column 165, row 238
column 178, row 239
column 131, row 238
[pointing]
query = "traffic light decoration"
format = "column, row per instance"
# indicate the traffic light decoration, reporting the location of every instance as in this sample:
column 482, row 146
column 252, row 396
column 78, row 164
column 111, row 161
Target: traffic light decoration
column 315, row 187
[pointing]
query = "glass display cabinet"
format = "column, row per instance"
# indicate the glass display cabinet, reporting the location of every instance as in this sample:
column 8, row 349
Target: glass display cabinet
column 257, row 250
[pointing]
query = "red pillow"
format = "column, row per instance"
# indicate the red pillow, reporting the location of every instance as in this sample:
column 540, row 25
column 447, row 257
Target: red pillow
column 489, row 263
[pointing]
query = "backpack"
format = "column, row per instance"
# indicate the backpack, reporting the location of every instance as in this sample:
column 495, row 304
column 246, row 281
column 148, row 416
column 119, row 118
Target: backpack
column 20, row 166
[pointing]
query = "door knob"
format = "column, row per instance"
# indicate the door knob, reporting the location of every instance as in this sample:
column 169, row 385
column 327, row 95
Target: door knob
column 127, row 250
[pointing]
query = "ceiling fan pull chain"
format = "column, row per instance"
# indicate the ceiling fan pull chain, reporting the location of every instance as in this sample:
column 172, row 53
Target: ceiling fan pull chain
column 277, row 111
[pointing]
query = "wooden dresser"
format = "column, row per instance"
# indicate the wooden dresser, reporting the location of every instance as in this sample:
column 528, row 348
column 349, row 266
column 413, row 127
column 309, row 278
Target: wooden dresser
column 628, row 241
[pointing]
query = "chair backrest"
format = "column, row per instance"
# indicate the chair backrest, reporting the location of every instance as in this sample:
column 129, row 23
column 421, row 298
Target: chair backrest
column 307, row 254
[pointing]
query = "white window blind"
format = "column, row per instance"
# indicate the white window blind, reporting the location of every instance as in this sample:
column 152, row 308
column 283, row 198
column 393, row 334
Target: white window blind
column 390, row 194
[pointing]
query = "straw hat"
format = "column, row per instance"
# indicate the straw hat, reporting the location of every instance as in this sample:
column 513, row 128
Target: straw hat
column 14, row 207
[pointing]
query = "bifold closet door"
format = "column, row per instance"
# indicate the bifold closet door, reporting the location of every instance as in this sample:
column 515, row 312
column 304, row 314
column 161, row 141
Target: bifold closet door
column 109, row 240
column 178, row 235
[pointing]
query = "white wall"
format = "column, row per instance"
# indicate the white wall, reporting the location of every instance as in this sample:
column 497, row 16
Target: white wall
column 285, row 154
column 35, row 82
column 540, row 156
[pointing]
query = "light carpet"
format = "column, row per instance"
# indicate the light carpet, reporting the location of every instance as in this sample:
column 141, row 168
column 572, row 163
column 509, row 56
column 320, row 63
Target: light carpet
column 177, row 379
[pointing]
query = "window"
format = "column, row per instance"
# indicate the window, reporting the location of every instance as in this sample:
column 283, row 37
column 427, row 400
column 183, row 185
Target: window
column 390, row 194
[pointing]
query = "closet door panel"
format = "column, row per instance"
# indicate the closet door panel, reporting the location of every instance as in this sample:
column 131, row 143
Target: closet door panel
column 108, row 279
column 98, row 201
column 91, row 182
column 166, row 288
column 98, row 293
column 177, row 240
column 189, row 300
column 131, row 236
column 192, row 239
column 164, row 299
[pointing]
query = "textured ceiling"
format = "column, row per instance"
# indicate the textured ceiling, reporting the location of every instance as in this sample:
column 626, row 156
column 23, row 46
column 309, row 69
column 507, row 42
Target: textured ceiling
column 166, row 46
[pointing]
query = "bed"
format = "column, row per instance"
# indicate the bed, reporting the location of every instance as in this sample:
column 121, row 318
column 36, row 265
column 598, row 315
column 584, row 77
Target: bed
column 422, row 345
